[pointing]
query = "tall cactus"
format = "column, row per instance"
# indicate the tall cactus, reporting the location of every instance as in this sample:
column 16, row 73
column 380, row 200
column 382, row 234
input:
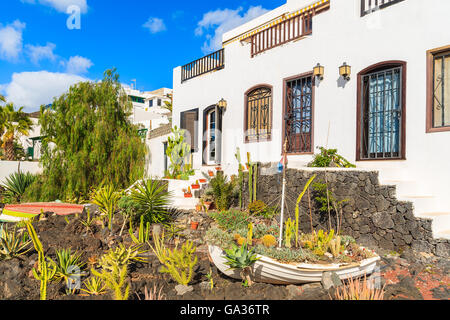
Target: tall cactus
column 289, row 230
column 241, row 176
column 255, row 180
column 44, row 274
column 297, row 208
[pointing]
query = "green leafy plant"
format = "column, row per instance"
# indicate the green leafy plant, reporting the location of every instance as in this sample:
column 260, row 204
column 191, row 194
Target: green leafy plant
column 107, row 199
column 178, row 152
column 95, row 286
column 153, row 200
column 180, row 263
column 172, row 231
column 159, row 247
column 222, row 190
column 68, row 265
column 328, row 158
column 241, row 258
column 13, row 243
column 89, row 222
column 231, row 220
column 16, row 184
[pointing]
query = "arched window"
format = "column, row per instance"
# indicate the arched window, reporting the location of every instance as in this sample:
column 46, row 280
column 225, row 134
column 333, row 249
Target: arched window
column 258, row 114
column 381, row 111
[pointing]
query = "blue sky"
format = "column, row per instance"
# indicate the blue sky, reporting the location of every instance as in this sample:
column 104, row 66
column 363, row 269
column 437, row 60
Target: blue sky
column 40, row 57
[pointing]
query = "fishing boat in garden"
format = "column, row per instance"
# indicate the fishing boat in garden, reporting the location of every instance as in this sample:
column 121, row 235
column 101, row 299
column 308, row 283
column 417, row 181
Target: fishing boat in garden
column 18, row 212
column 267, row 270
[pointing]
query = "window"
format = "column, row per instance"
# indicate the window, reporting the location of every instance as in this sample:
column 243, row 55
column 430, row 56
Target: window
column 159, row 102
column 438, row 92
column 258, row 114
column 189, row 122
column 298, row 114
column 150, row 103
column 381, row 112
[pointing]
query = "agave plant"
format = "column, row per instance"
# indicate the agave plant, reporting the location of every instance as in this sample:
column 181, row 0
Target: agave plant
column 241, row 258
column 95, row 286
column 107, row 198
column 13, row 243
column 68, row 266
column 359, row 290
column 17, row 183
column 153, row 200
column 154, row 293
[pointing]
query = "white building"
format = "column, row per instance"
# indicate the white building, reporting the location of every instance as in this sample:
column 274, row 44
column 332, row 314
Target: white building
column 390, row 113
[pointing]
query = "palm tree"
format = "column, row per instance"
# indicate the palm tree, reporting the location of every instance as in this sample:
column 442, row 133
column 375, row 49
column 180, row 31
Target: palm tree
column 2, row 98
column 12, row 124
column 167, row 104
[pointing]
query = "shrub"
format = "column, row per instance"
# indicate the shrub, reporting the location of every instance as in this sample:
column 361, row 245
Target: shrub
column 222, row 190
column 180, row 263
column 231, row 220
column 152, row 199
column 328, row 158
column 257, row 207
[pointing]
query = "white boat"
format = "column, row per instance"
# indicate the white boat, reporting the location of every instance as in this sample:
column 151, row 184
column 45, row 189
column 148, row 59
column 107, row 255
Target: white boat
column 267, row 270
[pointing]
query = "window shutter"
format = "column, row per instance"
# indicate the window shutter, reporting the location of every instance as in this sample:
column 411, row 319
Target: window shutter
column 189, row 122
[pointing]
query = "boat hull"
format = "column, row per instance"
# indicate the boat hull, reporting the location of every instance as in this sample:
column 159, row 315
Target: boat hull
column 267, row 270
column 18, row 212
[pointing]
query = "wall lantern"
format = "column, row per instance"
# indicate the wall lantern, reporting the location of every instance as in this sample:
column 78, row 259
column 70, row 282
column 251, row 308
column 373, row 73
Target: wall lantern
column 345, row 71
column 319, row 71
column 222, row 104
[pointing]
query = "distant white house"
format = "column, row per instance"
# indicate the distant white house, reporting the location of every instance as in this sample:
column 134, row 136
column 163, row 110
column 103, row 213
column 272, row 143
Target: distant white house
column 149, row 112
column 370, row 78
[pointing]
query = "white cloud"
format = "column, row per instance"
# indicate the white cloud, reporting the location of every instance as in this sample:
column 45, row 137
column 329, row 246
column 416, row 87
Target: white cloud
column 11, row 42
column 38, row 53
column 155, row 25
column 33, row 89
column 216, row 23
column 61, row 5
column 78, row 65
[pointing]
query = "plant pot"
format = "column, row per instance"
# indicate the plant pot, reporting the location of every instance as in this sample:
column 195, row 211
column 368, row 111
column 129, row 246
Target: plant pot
column 218, row 168
column 208, row 204
column 194, row 225
column 188, row 195
column 203, row 181
column 195, row 186
column 211, row 174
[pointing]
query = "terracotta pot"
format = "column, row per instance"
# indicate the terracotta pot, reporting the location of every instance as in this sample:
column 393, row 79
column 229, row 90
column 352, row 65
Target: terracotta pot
column 211, row 174
column 203, row 181
column 188, row 195
column 194, row 225
column 195, row 186
column 218, row 168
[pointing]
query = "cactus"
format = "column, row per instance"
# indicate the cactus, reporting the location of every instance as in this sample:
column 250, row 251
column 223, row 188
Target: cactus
column 241, row 176
column 255, row 180
column 250, row 234
column 269, row 241
column 335, row 246
column 290, row 227
column 114, row 279
column 297, row 208
column 44, row 274
column 180, row 263
column 250, row 184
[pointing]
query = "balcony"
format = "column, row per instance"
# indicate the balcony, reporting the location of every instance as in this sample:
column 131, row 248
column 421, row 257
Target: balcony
column 369, row 6
column 211, row 62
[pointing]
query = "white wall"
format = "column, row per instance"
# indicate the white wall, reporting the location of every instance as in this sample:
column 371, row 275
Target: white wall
column 404, row 31
column 9, row 167
column 156, row 156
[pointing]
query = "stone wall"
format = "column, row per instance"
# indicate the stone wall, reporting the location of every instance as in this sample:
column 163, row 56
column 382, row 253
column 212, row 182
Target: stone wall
column 372, row 213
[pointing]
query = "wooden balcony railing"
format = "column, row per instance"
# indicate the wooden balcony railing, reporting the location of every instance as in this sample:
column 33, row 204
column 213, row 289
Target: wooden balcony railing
column 211, row 62
column 369, row 6
column 286, row 31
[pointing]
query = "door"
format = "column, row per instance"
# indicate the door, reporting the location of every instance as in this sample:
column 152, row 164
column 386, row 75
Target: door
column 298, row 115
column 212, row 140
column 381, row 116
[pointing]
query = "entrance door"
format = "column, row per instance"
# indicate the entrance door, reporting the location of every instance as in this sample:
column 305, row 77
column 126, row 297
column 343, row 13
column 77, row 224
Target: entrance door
column 212, row 140
column 381, row 116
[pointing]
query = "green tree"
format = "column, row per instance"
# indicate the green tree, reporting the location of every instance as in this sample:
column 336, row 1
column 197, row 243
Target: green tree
column 89, row 142
column 12, row 125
